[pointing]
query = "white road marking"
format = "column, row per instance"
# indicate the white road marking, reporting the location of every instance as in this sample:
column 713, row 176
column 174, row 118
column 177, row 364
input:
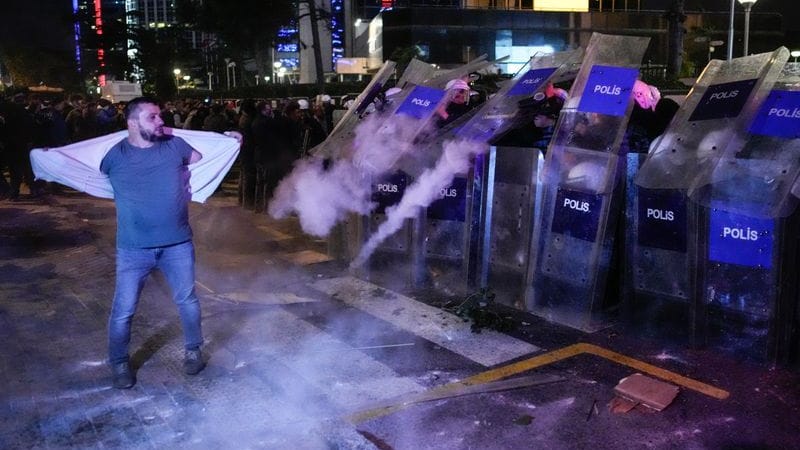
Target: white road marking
column 488, row 348
column 267, row 298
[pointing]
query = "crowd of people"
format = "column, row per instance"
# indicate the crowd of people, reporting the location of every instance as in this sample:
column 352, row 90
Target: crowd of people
column 147, row 170
column 276, row 132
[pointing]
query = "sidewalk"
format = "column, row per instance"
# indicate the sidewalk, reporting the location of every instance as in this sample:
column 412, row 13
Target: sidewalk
column 301, row 355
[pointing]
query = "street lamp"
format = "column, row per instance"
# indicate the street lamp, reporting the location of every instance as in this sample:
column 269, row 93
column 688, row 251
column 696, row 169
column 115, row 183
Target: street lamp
column 794, row 54
column 232, row 69
column 228, row 65
column 747, row 4
column 177, row 73
column 711, row 46
column 276, row 66
column 730, row 30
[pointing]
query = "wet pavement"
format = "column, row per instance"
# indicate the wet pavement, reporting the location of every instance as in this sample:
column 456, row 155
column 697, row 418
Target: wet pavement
column 304, row 354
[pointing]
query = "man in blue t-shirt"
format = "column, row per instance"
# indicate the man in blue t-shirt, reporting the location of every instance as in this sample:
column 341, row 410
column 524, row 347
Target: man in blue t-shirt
column 149, row 174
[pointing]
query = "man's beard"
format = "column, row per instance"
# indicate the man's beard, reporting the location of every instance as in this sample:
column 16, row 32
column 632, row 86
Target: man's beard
column 152, row 137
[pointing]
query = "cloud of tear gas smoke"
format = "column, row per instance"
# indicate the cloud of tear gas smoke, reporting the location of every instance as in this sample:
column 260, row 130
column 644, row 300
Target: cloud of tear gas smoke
column 323, row 194
column 455, row 158
column 321, row 197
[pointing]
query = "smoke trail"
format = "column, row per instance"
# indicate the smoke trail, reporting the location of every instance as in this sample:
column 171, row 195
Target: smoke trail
column 321, row 197
column 322, row 193
column 455, row 158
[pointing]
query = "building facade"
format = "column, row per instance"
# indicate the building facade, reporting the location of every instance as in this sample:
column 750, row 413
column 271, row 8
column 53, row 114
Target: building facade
column 452, row 32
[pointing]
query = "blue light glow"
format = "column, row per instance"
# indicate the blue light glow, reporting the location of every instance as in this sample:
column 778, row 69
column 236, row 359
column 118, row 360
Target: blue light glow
column 291, row 48
column 77, row 35
column 337, row 30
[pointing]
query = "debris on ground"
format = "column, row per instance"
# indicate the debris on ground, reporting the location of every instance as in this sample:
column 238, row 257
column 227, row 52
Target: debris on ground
column 476, row 307
column 524, row 419
column 592, row 411
column 639, row 389
column 619, row 405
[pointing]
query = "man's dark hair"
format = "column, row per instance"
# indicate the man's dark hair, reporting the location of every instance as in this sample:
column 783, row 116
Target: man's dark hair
column 290, row 108
column 262, row 107
column 132, row 108
column 248, row 106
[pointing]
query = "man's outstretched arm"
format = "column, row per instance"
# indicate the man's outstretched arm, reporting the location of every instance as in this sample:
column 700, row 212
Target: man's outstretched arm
column 197, row 156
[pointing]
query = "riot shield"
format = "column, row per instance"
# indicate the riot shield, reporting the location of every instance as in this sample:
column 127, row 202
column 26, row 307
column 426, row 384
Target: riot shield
column 660, row 260
column 407, row 125
column 404, row 121
column 747, row 232
column 511, row 205
column 666, row 243
column 447, row 246
column 711, row 123
column 506, row 194
column 496, row 114
column 493, row 117
column 755, row 178
column 440, row 79
column 366, row 143
column 417, row 72
column 340, row 139
column 573, row 238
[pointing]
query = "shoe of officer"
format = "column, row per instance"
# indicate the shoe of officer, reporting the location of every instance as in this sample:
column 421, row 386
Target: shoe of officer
column 122, row 375
column 193, row 362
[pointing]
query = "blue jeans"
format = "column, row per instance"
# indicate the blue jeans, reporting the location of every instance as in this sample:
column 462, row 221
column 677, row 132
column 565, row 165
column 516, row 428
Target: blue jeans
column 176, row 262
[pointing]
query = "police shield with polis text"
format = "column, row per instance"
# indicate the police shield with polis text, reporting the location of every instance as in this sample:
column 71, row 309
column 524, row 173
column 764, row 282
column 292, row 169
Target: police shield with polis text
column 581, row 199
column 732, row 151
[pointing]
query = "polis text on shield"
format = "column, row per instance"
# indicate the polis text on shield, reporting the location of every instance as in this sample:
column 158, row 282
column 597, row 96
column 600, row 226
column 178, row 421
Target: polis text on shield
column 448, row 192
column 742, row 234
column 421, row 102
column 608, row 90
column 660, row 214
column 724, row 95
column 576, row 205
column 785, row 112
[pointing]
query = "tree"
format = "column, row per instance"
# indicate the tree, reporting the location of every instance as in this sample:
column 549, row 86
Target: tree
column 246, row 26
column 403, row 56
column 697, row 50
column 314, row 16
column 675, row 19
column 29, row 66
column 36, row 44
column 155, row 55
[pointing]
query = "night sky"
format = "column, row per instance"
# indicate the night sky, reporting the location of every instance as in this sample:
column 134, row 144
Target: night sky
column 37, row 23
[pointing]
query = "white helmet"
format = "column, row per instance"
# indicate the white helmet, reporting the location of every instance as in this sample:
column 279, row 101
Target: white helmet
column 457, row 83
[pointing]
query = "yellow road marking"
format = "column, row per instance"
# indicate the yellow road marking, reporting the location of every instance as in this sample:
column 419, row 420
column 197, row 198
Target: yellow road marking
column 664, row 374
column 522, row 366
column 437, row 393
column 536, row 362
column 274, row 234
column 307, row 257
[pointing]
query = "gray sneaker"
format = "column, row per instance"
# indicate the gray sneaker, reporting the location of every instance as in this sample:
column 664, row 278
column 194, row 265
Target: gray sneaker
column 122, row 376
column 193, row 362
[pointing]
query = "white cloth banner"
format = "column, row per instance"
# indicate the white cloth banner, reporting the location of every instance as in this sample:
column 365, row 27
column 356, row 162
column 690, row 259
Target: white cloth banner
column 78, row 165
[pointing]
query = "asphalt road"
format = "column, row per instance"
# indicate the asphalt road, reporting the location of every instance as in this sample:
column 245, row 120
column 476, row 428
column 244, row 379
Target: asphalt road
column 305, row 354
